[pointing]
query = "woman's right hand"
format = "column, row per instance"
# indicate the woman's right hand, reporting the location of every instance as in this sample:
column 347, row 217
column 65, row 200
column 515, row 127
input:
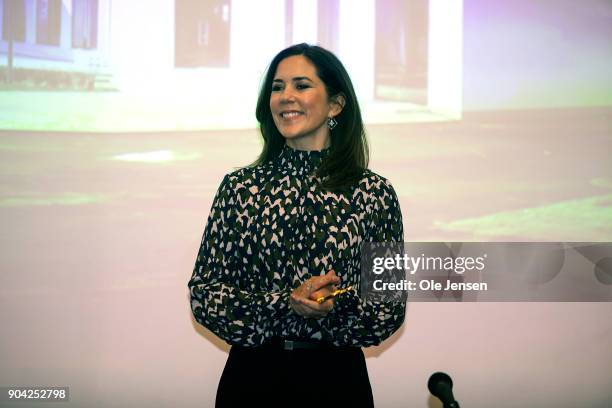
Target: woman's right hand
column 302, row 302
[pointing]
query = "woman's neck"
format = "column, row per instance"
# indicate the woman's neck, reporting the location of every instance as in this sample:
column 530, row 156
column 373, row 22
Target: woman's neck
column 309, row 143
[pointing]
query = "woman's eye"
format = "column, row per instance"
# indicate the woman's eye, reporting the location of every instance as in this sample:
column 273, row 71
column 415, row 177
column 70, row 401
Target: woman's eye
column 302, row 86
column 276, row 88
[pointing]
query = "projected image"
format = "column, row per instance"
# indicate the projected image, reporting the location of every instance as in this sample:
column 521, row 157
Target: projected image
column 97, row 65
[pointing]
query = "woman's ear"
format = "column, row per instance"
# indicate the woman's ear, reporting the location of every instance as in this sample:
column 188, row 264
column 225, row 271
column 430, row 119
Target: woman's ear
column 337, row 104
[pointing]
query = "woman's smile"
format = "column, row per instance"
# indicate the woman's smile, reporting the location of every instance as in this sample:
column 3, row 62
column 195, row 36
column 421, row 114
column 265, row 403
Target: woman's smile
column 291, row 116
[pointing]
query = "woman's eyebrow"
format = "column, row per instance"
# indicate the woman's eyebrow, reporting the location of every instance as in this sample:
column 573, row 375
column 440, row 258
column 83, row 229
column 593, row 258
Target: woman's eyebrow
column 300, row 78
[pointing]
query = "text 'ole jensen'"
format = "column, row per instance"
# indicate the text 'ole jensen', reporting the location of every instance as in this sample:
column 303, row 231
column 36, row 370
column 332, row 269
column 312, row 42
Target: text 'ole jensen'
column 429, row 285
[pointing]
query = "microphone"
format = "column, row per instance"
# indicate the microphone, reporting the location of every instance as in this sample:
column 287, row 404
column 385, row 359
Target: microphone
column 441, row 385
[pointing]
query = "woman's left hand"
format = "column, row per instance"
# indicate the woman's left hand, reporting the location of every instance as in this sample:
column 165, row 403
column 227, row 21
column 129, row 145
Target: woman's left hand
column 302, row 299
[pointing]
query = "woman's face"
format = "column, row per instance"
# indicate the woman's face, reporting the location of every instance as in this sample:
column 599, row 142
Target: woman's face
column 300, row 105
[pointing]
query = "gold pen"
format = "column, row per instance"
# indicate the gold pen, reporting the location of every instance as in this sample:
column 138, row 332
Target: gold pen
column 333, row 294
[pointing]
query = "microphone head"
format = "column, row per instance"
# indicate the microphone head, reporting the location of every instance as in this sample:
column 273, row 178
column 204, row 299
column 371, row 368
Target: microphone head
column 438, row 379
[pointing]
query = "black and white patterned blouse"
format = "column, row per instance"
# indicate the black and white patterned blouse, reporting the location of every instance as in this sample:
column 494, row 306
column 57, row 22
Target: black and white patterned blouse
column 270, row 228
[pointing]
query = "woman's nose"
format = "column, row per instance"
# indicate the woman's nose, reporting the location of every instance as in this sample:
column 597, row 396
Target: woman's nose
column 287, row 95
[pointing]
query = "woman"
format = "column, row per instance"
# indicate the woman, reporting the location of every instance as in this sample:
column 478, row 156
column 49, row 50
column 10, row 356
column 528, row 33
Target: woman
column 288, row 230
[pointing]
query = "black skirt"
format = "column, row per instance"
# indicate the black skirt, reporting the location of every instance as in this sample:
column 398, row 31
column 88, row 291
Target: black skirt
column 270, row 376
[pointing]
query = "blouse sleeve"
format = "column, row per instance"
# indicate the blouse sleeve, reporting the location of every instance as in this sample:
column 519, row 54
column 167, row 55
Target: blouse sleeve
column 237, row 315
column 358, row 322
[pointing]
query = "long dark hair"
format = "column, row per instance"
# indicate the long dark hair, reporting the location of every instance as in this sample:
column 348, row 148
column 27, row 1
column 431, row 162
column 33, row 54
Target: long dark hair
column 349, row 153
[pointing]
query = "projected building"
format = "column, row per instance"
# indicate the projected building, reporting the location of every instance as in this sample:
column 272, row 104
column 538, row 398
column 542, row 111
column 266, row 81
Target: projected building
column 54, row 43
column 174, row 62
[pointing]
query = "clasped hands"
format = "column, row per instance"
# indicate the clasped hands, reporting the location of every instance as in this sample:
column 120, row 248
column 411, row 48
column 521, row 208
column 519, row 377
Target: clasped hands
column 303, row 298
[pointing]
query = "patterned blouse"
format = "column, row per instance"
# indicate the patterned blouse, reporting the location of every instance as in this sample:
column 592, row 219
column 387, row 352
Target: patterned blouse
column 270, row 228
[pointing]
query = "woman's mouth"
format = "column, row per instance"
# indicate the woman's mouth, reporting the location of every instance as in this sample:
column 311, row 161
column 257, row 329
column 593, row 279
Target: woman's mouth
column 291, row 115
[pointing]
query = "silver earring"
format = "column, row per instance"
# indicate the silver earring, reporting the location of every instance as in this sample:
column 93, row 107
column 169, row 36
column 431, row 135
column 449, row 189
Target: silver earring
column 331, row 123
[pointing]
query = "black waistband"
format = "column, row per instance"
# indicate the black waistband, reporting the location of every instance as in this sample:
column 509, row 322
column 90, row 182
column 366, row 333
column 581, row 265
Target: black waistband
column 286, row 344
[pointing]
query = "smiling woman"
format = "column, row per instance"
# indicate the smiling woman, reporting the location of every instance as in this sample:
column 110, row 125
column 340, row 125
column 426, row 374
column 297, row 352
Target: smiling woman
column 285, row 233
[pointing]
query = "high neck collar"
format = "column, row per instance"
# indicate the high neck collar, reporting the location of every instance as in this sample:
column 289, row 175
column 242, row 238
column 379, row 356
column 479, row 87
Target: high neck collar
column 302, row 161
